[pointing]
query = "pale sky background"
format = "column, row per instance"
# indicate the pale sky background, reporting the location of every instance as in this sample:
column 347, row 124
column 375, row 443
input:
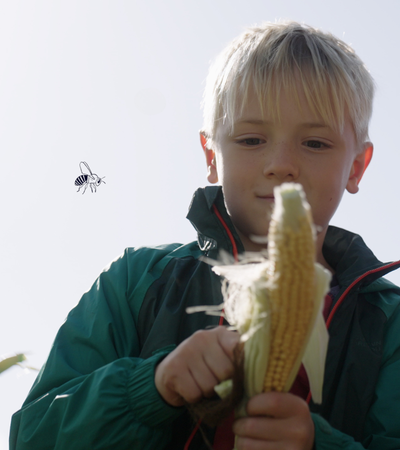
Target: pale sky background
column 119, row 84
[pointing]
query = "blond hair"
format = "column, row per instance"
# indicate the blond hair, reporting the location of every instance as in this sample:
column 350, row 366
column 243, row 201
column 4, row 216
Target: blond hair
column 275, row 57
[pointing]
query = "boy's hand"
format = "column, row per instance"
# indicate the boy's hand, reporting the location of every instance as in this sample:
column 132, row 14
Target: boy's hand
column 276, row 421
column 191, row 371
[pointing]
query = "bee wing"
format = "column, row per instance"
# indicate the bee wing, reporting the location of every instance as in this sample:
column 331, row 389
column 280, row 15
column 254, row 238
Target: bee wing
column 87, row 166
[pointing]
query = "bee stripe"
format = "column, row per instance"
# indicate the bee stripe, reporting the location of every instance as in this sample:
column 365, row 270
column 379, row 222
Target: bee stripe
column 81, row 180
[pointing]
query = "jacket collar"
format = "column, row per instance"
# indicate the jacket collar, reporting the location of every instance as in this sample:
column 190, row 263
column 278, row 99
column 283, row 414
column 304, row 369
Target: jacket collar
column 344, row 251
column 211, row 234
column 351, row 259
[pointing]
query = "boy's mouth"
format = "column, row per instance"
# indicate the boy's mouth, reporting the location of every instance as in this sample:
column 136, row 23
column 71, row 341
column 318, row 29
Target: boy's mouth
column 269, row 197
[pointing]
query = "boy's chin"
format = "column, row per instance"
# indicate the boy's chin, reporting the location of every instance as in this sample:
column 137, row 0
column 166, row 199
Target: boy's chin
column 255, row 243
column 255, row 239
column 259, row 240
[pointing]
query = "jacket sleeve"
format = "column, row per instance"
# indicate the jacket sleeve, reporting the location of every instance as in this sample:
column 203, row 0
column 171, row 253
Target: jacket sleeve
column 382, row 426
column 94, row 391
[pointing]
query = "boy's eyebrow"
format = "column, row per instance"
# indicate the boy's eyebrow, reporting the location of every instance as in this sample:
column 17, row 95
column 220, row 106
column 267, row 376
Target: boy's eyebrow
column 315, row 125
column 253, row 121
column 263, row 122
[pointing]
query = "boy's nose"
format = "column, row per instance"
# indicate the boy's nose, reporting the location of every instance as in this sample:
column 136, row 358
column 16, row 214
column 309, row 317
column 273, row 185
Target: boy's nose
column 281, row 163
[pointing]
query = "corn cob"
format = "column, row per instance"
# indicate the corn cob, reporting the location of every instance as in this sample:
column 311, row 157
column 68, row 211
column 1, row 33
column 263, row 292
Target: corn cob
column 292, row 276
column 276, row 303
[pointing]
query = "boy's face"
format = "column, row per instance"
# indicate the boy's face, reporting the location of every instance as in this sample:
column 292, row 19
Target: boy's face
column 261, row 154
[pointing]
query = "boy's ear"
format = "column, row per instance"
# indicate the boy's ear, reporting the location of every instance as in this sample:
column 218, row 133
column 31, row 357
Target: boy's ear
column 212, row 175
column 360, row 164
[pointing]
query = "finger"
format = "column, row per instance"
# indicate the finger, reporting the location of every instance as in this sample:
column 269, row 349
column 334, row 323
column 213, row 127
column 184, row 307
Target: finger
column 283, row 433
column 258, row 428
column 218, row 363
column 228, row 340
column 191, row 390
column 193, row 369
column 244, row 443
column 277, row 405
column 204, row 378
column 172, row 388
column 213, row 368
column 212, row 365
column 217, row 351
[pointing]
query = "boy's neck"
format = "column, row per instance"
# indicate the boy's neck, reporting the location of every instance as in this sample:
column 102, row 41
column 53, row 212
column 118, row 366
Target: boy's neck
column 318, row 255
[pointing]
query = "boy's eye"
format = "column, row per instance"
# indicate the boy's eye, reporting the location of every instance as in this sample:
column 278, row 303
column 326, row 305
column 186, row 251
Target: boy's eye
column 315, row 144
column 251, row 141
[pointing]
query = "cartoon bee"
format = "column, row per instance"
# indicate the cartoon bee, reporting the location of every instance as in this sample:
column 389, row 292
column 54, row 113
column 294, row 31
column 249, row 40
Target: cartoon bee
column 88, row 179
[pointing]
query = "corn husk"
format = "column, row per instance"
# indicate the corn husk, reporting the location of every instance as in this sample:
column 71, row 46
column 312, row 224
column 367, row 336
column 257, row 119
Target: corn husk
column 247, row 308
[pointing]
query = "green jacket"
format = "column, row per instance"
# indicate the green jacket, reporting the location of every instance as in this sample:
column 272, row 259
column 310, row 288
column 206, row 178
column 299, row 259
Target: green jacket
column 96, row 390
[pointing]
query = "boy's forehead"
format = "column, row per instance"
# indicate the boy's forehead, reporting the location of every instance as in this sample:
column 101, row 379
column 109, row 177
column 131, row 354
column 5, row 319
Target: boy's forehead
column 266, row 109
column 261, row 105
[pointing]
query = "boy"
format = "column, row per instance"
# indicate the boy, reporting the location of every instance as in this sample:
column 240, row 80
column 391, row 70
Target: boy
column 283, row 103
